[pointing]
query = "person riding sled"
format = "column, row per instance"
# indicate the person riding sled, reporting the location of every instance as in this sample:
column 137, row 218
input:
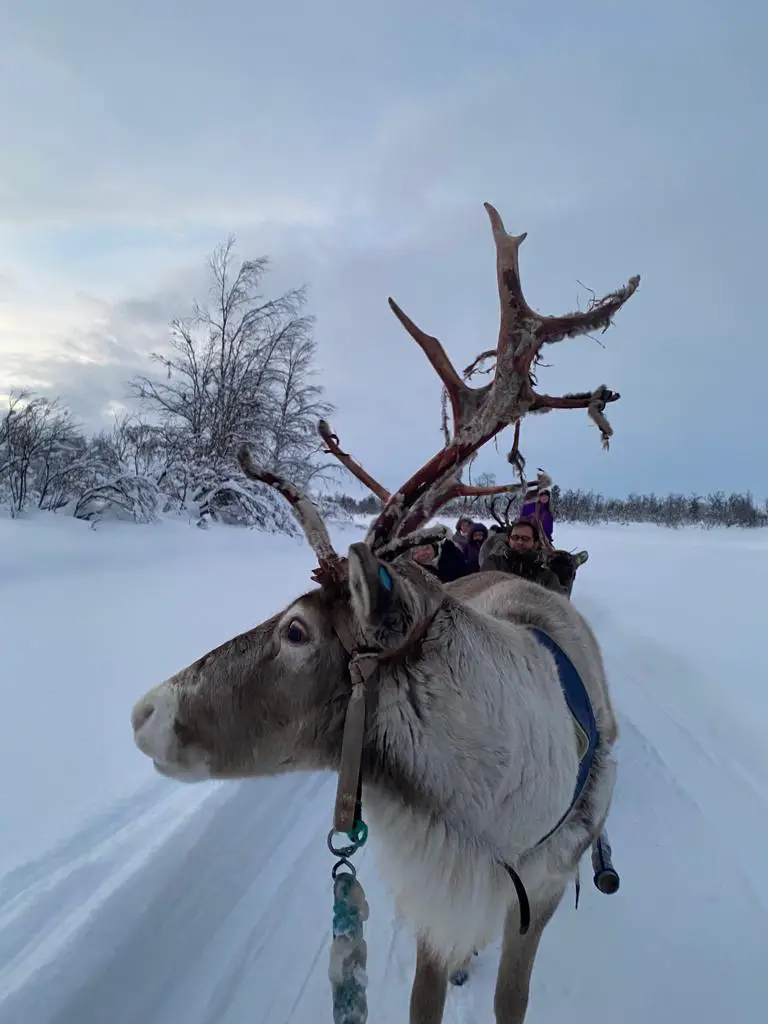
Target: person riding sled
column 541, row 511
column 522, row 556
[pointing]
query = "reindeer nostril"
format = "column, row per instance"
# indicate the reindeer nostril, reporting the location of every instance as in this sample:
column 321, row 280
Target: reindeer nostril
column 141, row 715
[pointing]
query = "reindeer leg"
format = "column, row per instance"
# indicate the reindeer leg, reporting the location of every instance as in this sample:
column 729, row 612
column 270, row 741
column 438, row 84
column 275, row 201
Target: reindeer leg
column 430, row 987
column 517, row 957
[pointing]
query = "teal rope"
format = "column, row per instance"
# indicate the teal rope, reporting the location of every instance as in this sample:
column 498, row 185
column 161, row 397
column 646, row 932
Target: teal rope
column 349, row 952
column 358, row 834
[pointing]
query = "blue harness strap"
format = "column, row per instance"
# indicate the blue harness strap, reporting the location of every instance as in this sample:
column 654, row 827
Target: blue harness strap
column 580, row 706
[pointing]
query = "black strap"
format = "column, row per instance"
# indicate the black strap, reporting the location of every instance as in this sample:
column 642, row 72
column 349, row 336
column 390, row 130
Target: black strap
column 522, row 899
column 359, row 800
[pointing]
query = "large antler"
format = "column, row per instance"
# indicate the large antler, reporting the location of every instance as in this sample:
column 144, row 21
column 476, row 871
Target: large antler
column 331, row 566
column 479, row 414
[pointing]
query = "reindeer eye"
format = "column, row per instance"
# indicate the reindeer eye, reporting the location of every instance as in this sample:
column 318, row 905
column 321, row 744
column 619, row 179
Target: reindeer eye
column 295, row 633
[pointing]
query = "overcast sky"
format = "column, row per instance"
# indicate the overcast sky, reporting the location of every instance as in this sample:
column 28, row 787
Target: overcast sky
column 355, row 145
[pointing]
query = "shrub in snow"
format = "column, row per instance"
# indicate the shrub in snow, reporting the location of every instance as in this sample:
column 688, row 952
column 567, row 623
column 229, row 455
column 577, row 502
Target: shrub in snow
column 132, row 498
column 235, row 503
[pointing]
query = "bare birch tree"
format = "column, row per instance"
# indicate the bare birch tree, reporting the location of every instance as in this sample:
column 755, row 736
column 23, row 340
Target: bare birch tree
column 38, row 443
column 239, row 369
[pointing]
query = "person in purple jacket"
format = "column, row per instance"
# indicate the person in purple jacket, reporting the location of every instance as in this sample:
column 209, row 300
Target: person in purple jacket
column 541, row 510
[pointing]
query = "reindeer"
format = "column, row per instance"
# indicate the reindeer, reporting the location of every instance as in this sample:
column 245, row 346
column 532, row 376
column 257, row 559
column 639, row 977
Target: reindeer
column 565, row 564
column 481, row 786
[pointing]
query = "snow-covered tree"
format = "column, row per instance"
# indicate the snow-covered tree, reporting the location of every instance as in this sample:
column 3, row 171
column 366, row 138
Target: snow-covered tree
column 240, row 368
column 135, row 471
column 39, row 447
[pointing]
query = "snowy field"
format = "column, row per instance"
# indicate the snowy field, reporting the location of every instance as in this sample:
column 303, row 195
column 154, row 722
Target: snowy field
column 126, row 898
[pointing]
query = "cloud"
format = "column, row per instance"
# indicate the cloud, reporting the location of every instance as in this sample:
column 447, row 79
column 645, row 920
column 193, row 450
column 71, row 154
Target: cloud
column 90, row 368
column 357, row 153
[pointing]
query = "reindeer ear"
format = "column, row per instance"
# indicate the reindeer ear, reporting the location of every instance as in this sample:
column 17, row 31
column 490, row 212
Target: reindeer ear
column 372, row 586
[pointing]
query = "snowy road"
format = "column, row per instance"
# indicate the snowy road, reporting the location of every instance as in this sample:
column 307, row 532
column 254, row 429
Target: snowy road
column 224, row 919
column 212, row 904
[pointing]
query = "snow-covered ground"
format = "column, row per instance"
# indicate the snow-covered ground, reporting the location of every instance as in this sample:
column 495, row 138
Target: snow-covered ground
column 126, row 898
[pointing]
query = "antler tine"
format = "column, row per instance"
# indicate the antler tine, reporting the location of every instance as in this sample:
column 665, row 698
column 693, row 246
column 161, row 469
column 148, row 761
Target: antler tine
column 515, row 456
column 333, row 448
column 464, row 491
column 331, row 565
column 517, row 317
column 522, row 331
column 480, row 413
column 436, row 354
column 593, row 401
column 493, row 506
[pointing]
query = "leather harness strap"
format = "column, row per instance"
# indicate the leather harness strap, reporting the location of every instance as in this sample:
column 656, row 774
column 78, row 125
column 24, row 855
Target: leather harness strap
column 364, row 664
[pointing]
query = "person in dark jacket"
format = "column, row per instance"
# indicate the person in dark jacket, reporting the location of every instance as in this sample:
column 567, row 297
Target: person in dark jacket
column 475, row 540
column 463, row 526
column 541, row 510
column 447, row 565
column 521, row 556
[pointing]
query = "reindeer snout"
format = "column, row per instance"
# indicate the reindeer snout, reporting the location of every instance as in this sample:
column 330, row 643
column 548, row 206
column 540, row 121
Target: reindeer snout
column 157, row 732
column 153, row 719
column 142, row 713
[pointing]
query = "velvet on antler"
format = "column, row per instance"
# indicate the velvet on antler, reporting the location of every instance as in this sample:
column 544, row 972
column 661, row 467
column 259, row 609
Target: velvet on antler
column 480, row 413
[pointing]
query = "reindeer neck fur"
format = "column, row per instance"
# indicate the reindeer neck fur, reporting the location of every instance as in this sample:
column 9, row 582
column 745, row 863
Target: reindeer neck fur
column 456, row 730
column 471, row 758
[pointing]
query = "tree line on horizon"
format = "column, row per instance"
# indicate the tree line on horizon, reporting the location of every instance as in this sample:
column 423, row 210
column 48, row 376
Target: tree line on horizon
column 242, row 368
column 579, row 506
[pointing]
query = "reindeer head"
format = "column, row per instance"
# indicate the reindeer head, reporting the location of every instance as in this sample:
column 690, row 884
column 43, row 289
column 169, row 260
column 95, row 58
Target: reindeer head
column 274, row 699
